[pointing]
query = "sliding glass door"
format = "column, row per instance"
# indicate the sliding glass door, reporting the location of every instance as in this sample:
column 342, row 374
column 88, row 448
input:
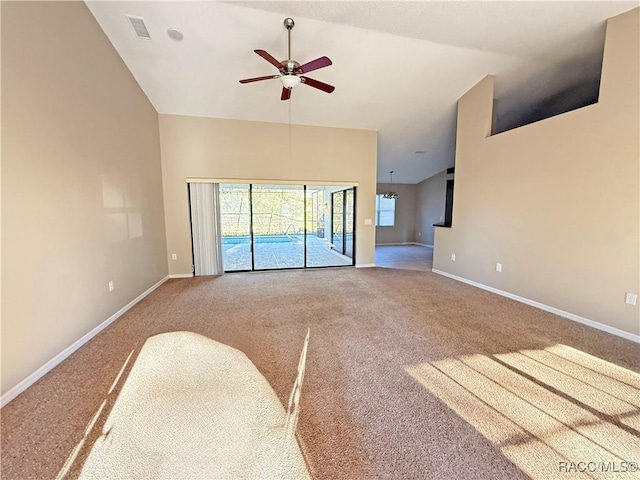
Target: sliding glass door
column 349, row 221
column 267, row 227
column 235, row 223
column 343, row 216
column 337, row 204
column 325, row 226
column 278, row 226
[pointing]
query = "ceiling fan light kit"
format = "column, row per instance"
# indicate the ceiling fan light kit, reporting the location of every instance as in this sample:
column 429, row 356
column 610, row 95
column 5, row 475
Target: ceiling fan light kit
column 290, row 81
column 291, row 71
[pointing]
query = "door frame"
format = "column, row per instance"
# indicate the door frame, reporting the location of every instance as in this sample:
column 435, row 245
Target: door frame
column 305, row 265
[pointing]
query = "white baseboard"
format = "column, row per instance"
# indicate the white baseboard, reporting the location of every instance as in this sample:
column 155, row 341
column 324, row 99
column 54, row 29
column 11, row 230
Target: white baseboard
column 365, row 265
column 181, row 275
column 424, row 245
column 542, row 306
column 59, row 358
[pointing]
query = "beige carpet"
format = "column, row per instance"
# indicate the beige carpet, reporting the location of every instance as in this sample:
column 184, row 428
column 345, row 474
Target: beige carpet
column 409, row 375
column 193, row 408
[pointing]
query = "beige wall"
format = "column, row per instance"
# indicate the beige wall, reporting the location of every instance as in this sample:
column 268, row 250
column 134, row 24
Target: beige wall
column 403, row 230
column 557, row 201
column 195, row 147
column 81, row 183
column 430, row 205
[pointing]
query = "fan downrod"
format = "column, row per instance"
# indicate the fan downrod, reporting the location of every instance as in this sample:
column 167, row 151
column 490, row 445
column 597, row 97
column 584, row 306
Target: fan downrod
column 289, row 24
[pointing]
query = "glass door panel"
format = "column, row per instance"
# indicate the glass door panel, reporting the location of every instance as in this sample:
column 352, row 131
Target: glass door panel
column 235, row 223
column 278, row 213
column 321, row 252
column 337, row 206
column 349, row 213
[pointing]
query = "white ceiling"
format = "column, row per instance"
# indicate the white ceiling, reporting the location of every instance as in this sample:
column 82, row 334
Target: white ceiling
column 398, row 67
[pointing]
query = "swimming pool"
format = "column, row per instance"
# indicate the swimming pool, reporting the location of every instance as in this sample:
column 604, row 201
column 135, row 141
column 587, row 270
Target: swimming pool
column 262, row 239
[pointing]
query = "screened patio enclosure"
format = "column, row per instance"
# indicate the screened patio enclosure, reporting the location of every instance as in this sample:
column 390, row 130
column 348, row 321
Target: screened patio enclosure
column 267, row 227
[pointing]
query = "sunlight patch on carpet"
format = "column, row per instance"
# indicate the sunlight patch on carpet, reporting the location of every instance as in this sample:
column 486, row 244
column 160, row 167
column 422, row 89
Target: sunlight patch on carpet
column 549, row 411
column 194, row 408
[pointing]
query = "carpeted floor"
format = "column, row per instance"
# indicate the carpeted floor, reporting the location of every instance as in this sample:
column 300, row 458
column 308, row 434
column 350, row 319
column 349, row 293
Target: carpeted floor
column 409, row 375
column 194, row 408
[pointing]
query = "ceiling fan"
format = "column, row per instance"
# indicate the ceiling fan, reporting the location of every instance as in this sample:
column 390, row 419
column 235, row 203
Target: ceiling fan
column 291, row 72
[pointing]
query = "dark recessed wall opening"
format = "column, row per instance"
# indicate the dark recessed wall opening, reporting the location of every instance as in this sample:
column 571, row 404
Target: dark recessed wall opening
column 572, row 85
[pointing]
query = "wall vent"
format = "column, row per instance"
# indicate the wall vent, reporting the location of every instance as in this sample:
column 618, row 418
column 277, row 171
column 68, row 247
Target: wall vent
column 139, row 27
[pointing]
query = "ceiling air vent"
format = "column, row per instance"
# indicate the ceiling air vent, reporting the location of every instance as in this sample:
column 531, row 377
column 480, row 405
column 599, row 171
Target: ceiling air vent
column 139, row 27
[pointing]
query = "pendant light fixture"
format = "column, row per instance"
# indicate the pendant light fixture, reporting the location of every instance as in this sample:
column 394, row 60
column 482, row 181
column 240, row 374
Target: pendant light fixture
column 390, row 194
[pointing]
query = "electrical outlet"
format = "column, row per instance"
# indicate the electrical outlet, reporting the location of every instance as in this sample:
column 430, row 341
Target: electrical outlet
column 174, row 256
column 453, row 257
column 368, row 221
column 419, row 234
column 498, row 267
column 631, row 298
column 111, row 285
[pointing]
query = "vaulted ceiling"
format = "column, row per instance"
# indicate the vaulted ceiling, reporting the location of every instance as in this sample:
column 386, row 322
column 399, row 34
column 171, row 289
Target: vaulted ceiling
column 398, row 67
